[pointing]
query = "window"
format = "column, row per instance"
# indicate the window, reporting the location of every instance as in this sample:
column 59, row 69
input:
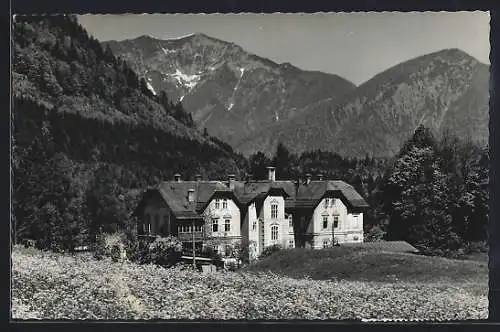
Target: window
column 156, row 223
column 224, row 203
column 254, row 225
column 355, row 221
column 147, row 224
column 332, row 202
column 274, row 211
column 227, row 225
column 335, row 221
column 290, row 244
column 274, row 233
column 327, row 200
column 197, row 228
column 325, row 222
column 227, row 250
column 325, row 243
column 290, row 222
column 215, row 225
column 166, row 224
column 217, row 203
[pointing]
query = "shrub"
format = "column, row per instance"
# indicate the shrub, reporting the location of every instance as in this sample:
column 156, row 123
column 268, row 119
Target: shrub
column 476, row 247
column 374, row 234
column 165, row 251
column 110, row 245
column 268, row 251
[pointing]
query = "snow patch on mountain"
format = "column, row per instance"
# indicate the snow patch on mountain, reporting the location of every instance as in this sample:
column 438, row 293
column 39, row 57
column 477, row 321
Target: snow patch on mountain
column 167, row 52
column 189, row 81
column 150, row 87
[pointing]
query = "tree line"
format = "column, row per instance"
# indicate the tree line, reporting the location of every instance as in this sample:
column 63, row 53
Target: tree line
column 432, row 194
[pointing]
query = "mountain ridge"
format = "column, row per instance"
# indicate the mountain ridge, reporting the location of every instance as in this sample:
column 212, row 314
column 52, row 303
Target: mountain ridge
column 254, row 108
column 229, row 91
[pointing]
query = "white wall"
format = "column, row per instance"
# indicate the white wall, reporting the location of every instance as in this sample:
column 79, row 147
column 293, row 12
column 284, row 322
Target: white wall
column 253, row 234
column 346, row 230
column 232, row 212
column 280, row 221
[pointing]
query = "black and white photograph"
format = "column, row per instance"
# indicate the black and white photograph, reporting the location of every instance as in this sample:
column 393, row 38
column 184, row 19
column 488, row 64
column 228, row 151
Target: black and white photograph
column 251, row 167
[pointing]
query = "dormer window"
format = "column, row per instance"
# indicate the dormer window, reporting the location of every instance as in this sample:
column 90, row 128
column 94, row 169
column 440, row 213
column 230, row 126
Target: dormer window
column 274, row 211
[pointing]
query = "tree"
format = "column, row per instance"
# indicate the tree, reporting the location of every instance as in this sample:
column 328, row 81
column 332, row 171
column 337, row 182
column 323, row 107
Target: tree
column 282, row 161
column 106, row 203
column 257, row 165
column 420, row 215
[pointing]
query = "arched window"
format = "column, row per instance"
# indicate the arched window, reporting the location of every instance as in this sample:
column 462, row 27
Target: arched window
column 355, row 221
column 274, row 232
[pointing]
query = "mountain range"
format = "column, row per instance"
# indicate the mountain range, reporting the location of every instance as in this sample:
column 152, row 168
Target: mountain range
column 253, row 103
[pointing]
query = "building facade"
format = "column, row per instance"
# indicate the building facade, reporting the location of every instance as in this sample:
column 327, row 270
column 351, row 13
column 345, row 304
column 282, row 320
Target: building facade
column 314, row 214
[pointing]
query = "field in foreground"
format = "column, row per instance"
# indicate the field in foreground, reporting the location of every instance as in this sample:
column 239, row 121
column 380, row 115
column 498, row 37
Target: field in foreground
column 54, row 286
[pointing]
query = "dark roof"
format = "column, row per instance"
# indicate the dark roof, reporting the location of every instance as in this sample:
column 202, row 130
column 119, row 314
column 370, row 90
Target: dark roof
column 302, row 196
column 175, row 195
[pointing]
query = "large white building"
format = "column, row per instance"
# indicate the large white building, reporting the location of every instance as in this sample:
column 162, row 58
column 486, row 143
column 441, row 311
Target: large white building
column 313, row 214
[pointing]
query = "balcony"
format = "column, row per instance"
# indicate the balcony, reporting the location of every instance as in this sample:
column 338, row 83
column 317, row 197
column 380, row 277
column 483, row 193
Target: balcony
column 188, row 236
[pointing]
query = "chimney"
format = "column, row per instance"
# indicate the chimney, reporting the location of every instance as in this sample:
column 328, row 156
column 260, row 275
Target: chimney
column 271, row 171
column 191, row 195
column 308, row 178
column 320, row 177
column 177, row 177
column 197, row 177
column 230, row 181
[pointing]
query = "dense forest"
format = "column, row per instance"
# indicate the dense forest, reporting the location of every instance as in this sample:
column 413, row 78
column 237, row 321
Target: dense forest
column 86, row 128
column 88, row 137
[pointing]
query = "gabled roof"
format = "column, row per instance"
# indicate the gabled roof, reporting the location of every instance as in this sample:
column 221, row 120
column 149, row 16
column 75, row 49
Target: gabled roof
column 252, row 190
column 175, row 194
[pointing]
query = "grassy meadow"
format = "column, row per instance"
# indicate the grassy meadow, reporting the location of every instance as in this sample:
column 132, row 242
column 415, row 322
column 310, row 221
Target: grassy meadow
column 337, row 283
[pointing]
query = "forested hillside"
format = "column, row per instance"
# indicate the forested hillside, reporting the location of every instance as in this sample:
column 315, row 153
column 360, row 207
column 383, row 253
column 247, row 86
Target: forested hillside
column 86, row 129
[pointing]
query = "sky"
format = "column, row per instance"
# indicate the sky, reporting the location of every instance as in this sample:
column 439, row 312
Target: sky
column 356, row 46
